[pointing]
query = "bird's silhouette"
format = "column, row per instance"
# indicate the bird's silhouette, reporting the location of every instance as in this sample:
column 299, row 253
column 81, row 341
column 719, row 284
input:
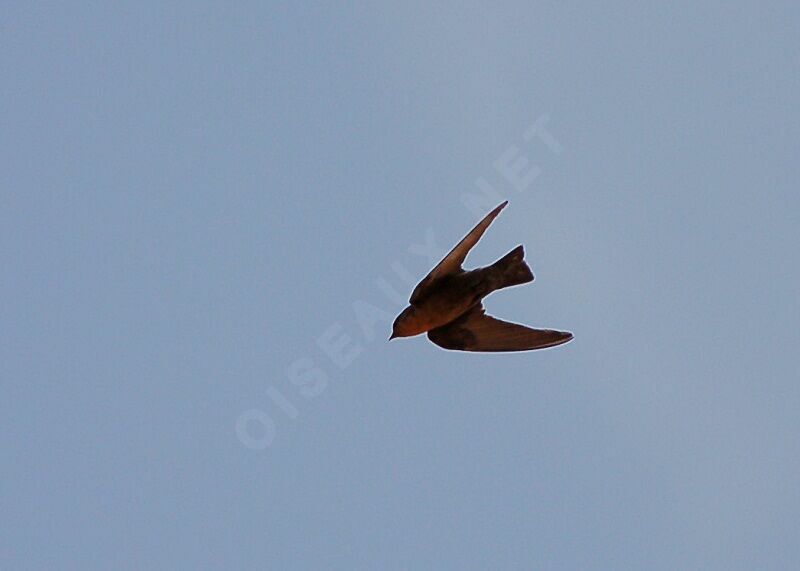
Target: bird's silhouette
column 447, row 303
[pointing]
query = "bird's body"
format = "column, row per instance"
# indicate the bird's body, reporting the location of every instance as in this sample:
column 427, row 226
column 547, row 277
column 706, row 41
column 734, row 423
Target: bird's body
column 446, row 304
column 454, row 294
column 450, row 299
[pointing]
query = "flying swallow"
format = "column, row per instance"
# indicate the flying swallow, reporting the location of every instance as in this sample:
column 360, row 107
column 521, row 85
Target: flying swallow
column 447, row 303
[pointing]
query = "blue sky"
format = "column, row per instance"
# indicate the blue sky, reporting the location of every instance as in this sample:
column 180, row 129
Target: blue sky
column 209, row 213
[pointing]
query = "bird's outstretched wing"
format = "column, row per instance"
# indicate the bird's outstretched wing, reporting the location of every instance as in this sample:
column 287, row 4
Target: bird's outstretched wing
column 476, row 331
column 451, row 263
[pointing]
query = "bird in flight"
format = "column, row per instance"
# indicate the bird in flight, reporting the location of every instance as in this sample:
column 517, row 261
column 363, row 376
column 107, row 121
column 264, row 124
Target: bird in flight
column 447, row 303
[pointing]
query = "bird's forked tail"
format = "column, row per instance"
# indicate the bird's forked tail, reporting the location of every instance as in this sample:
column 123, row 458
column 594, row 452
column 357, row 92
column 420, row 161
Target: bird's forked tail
column 512, row 270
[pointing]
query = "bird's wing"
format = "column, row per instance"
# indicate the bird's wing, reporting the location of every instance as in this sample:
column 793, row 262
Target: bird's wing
column 476, row 331
column 451, row 263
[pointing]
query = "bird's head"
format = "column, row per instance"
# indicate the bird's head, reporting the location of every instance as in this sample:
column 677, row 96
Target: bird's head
column 408, row 323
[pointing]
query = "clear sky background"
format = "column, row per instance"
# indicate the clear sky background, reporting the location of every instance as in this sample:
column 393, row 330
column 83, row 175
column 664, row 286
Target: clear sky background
column 206, row 211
